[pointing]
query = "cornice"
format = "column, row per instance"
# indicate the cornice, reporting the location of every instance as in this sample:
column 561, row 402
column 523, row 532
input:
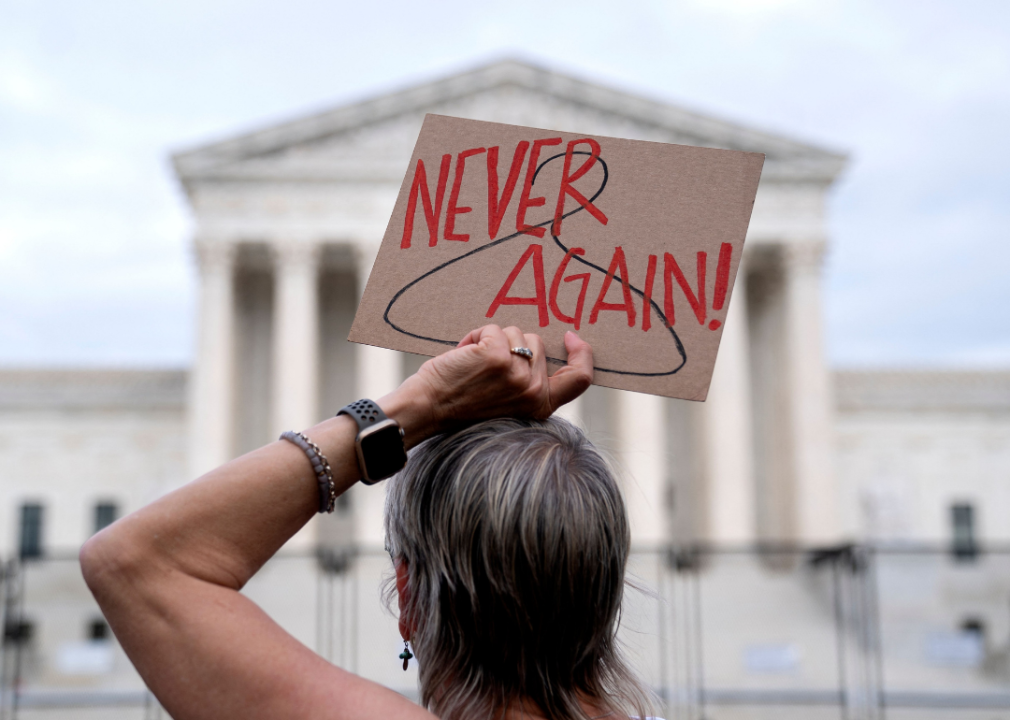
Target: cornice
column 92, row 390
column 814, row 170
column 923, row 390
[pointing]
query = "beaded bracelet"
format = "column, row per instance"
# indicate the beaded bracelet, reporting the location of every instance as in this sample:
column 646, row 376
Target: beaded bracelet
column 321, row 466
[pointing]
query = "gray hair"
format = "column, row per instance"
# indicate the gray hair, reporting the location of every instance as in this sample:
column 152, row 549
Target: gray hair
column 516, row 539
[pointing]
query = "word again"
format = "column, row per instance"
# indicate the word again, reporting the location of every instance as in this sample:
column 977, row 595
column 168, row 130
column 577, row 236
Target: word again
column 498, row 201
column 547, row 302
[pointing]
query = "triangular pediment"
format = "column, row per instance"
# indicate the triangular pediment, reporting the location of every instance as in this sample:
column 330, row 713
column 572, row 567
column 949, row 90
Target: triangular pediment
column 372, row 140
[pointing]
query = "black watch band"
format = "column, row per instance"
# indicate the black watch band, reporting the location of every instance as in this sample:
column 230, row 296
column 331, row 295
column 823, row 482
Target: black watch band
column 364, row 412
column 379, row 443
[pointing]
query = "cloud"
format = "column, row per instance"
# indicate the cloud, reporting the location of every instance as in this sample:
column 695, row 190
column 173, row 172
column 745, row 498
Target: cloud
column 93, row 96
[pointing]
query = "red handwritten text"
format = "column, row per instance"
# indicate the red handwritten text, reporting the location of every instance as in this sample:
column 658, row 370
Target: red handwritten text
column 499, row 200
column 673, row 277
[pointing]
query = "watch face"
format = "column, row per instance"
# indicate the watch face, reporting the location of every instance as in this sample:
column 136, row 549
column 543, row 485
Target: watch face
column 383, row 451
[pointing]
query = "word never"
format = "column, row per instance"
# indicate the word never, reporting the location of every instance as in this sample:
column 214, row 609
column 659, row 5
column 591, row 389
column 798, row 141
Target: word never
column 497, row 203
column 619, row 268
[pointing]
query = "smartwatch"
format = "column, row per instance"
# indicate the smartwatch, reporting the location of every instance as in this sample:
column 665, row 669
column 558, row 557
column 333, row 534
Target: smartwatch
column 379, row 443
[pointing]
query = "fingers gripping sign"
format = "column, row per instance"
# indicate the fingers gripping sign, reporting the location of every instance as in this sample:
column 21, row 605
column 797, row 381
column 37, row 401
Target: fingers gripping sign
column 482, row 378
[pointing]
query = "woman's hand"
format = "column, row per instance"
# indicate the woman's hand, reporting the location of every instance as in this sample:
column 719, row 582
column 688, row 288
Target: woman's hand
column 481, row 378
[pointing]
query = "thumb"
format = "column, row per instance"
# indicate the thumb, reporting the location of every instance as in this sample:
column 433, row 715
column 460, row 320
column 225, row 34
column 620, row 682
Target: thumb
column 574, row 378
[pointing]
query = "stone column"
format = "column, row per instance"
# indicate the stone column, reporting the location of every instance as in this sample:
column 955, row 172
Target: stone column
column 211, row 385
column 296, row 337
column 641, row 438
column 379, row 372
column 726, row 435
column 809, row 396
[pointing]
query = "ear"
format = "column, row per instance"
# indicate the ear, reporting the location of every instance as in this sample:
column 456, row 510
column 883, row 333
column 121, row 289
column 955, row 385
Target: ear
column 403, row 596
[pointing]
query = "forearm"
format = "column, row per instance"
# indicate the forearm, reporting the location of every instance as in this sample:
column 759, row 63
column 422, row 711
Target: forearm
column 166, row 576
column 222, row 527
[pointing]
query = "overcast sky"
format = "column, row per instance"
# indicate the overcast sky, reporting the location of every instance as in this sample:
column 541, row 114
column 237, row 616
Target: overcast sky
column 95, row 267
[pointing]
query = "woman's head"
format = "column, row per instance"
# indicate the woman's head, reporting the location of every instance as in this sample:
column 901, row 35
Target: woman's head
column 515, row 538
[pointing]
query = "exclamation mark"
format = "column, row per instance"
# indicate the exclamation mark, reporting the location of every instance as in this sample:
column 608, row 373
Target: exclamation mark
column 721, row 282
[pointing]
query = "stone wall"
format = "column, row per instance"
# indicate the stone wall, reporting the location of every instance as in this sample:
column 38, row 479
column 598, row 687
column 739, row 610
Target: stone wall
column 70, row 439
column 910, row 445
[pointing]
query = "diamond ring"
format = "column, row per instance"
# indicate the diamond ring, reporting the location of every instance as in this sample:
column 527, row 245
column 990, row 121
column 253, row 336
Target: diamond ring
column 524, row 352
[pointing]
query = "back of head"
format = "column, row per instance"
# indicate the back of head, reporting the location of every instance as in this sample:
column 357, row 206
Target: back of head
column 516, row 539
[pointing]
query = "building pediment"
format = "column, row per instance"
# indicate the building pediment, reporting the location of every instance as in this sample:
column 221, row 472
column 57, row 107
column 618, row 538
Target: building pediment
column 372, row 140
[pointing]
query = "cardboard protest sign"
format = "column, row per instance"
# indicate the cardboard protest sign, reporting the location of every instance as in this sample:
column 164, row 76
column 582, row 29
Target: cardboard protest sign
column 634, row 245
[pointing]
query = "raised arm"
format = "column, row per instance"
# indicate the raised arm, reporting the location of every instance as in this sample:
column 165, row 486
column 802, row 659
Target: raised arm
column 167, row 576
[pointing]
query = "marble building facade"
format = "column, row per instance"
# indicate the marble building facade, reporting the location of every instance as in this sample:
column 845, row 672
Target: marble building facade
column 288, row 220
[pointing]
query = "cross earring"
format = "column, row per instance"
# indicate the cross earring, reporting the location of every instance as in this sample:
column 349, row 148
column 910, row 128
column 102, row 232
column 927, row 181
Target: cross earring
column 406, row 655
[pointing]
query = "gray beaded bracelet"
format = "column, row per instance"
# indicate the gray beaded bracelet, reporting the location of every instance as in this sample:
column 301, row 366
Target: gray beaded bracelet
column 324, row 476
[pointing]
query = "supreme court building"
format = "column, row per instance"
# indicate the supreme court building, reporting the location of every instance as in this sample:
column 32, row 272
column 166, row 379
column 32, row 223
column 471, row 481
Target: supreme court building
column 287, row 222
